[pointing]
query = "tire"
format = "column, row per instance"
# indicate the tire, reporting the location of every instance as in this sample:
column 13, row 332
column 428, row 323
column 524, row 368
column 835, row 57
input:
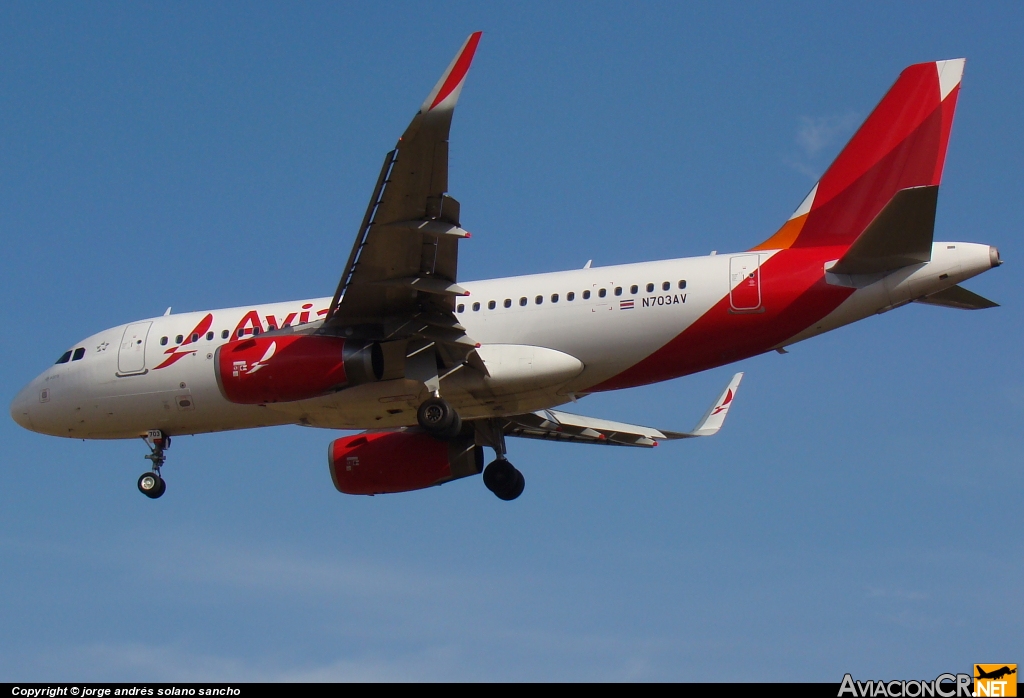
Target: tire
column 151, row 485
column 504, row 480
column 438, row 418
column 453, row 430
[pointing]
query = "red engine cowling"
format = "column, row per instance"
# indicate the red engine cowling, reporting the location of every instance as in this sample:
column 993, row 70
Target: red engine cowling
column 400, row 461
column 287, row 367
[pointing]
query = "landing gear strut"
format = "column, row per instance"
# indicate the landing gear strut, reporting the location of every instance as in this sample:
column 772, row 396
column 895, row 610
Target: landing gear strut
column 439, row 419
column 500, row 477
column 151, row 484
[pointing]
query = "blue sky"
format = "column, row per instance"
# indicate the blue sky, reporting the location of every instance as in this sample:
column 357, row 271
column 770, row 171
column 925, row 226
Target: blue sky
column 855, row 514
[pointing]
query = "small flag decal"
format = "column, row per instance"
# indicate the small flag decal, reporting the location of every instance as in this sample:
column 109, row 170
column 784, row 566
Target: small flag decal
column 626, row 305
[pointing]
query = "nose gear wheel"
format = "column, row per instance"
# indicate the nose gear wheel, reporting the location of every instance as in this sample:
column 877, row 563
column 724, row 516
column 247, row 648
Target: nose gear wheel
column 152, row 484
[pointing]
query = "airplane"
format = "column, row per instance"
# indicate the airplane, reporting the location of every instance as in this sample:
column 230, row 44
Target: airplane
column 994, row 674
column 433, row 369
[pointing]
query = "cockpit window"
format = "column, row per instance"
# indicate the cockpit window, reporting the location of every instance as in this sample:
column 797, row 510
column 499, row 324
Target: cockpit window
column 65, row 357
column 79, row 353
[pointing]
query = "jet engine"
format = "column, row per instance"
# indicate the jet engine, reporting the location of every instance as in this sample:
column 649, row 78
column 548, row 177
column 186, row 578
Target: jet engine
column 287, row 367
column 400, row 461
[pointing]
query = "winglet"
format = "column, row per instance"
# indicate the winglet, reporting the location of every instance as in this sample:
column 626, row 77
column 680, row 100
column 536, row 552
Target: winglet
column 714, row 418
column 446, row 92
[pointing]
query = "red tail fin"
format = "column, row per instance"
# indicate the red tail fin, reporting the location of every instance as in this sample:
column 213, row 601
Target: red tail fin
column 902, row 144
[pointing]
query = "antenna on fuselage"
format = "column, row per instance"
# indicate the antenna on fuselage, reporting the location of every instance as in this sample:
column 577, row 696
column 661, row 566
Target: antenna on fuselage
column 587, row 265
column 168, row 311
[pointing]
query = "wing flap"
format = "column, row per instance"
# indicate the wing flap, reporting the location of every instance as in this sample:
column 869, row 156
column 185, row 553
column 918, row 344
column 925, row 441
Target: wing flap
column 554, row 425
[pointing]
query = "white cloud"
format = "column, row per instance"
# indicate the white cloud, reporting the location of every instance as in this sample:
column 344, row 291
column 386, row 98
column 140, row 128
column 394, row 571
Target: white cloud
column 820, row 136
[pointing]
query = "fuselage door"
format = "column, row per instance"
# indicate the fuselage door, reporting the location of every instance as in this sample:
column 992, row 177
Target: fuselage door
column 131, row 357
column 744, row 282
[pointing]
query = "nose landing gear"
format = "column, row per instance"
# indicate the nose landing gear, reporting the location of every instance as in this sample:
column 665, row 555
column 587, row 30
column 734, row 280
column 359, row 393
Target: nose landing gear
column 151, row 484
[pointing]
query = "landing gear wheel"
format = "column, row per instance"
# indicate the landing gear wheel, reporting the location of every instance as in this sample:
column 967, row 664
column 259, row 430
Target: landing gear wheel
column 439, row 419
column 152, row 485
column 502, row 478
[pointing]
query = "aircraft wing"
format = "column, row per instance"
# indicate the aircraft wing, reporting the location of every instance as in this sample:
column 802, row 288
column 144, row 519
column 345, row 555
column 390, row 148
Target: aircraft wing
column 562, row 426
column 400, row 277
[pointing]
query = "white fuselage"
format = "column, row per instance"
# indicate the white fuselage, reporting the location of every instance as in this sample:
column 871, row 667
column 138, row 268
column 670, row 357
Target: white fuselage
column 160, row 373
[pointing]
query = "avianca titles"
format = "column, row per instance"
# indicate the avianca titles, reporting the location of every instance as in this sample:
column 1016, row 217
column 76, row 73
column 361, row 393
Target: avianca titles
column 433, row 370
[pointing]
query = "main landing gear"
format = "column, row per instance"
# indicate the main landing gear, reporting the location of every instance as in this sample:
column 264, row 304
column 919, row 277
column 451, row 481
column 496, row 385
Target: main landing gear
column 439, row 419
column 151, row 484
column 500, row 477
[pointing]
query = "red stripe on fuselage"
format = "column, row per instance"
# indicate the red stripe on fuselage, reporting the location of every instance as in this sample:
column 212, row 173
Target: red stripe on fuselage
column 794, row 297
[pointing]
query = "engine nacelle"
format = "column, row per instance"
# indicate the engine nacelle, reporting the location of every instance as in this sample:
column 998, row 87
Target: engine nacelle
column 400, row 461
column 287, row 367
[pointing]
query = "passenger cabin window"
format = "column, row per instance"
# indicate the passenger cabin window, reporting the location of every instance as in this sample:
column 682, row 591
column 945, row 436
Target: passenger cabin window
column 650, row 288
column 586, row 295
column 554, row 297
column 255, row 331
column 570, row 296
column 634, row 288
column 195, row 337
column 618, row 290
column 179, row 339
column 522, row 301
column 538, row 300
column 461, row 308
column 490, row 305
column 163, row 341
column 224, row 334
column 209, row 336
column 602, row 292
column 666, row 286
column 682, row 284
column 241, row 333
column 476, row 307
column 79, row 353
column 65, row 357
column 508, row 302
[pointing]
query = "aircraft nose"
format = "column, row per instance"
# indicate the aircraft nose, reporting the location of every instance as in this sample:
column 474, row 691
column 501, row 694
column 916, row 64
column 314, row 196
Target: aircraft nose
column 20, row 409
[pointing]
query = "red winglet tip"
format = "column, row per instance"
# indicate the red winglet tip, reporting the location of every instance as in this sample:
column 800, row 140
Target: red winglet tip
column 655, row 443
column 469, row 235
column 602, row 437
column 478, row 345
column 459, row 70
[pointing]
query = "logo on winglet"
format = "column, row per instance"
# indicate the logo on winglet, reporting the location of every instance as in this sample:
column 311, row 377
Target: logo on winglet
column 725, row 403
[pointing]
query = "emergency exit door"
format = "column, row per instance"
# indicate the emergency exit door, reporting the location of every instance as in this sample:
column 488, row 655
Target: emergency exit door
column 131, row 356
column 744, row 282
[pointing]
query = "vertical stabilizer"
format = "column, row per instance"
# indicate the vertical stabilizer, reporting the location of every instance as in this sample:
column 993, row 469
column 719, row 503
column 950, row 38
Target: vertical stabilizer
column 902, row 144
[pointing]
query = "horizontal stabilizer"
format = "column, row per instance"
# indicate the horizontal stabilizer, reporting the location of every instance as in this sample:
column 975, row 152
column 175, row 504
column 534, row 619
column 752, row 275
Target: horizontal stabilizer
column 900, row 235
column 958, row 297
column 563, row 426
